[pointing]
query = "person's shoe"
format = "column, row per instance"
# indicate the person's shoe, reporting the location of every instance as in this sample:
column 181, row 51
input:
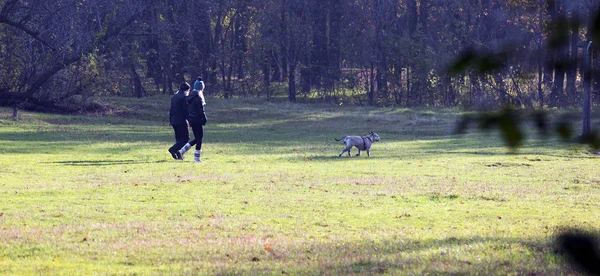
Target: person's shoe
column 183, row 150
column 173, row 154
column 197, row 155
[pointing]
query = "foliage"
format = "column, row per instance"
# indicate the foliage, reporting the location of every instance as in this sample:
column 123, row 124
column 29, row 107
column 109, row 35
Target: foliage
column 401, row 48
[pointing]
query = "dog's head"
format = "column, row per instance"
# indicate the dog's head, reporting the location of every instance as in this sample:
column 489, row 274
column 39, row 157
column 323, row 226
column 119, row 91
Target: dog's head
column 374, row 136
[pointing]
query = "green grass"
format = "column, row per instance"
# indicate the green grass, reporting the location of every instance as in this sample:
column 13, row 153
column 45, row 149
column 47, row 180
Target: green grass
column 101, row 195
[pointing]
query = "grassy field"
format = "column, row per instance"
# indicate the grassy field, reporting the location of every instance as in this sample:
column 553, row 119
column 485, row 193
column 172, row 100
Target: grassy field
column 95, row 194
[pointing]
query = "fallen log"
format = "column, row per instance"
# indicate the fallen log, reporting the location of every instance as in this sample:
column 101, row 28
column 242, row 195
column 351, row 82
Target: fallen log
column 23, row 102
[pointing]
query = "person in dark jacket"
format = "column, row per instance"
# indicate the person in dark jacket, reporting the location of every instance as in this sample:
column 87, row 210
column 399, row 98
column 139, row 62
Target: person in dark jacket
column 197, row 119
column 178, row 119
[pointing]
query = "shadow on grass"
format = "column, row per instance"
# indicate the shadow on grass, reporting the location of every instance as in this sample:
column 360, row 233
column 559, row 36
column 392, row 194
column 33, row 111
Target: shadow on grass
column 272, row 128
column 319, row 146
column 335, row 157
column 277, row 135
column 449, row 147
column 94, row 163
column 406, row 256
column 487, row 146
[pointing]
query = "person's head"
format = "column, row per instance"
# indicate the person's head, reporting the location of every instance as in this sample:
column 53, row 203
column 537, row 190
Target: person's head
column 199, row 84
column 184, row 87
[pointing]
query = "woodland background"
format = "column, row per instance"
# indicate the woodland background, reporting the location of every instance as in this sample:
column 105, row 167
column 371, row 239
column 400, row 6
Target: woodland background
column 55, row 55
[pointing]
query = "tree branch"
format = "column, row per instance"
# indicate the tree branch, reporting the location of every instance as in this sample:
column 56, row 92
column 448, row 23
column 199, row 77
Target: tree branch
column 21, row 26
column 43, row 78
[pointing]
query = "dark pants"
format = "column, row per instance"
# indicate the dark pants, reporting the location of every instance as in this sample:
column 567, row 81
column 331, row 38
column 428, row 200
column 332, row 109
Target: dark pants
column 182, row 136
column 198, row 130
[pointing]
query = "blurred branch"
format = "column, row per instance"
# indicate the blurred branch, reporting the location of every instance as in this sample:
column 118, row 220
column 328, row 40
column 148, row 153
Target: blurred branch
column 581, row 249
column 510, row 124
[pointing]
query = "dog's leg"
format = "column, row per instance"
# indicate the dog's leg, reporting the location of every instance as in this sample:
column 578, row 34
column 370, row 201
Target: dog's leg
column 368, row 152
column 358, row 154
column 346, row 149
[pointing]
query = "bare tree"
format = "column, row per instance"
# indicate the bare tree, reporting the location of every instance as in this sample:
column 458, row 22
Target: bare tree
column 49, row 36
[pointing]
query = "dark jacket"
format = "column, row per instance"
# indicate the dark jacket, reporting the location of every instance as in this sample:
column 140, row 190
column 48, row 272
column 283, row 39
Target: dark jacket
column 196, row 114
column 179, row 109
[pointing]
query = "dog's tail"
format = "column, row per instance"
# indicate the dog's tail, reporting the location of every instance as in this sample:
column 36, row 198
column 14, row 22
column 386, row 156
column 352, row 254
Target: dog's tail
column 340, row 138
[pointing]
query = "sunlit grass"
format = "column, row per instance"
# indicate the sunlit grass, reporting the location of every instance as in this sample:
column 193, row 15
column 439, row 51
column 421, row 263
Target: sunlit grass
column 100, row 194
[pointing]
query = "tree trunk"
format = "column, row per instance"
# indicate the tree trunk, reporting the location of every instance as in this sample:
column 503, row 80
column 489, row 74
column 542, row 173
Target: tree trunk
column 292, row 83
column 596, row 74
column 275, row 67
column 266, row 68
column 541, row 54
column 587, row 95
column 371, row 83
column 549, row 74
column 15, row 114
column 217, row 43
column 424, row 13
column 334, row 41
column 595, row 63
column 573, row 58
column 204, row 42
column 412, row 16
column 318, row 50
column 284, row 50
column 408, row 87
column 240, row 33
column 477, row 93
column 539, row 83
column 399, row 87
column 305, row 80
column 382, row 66
column 560, row 53
column 449, row 92
column 500, row 88
column 138, row 89
column 284, row 66
column 559, row 82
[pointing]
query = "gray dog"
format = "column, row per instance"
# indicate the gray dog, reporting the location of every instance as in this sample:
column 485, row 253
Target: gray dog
column 360, row 142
